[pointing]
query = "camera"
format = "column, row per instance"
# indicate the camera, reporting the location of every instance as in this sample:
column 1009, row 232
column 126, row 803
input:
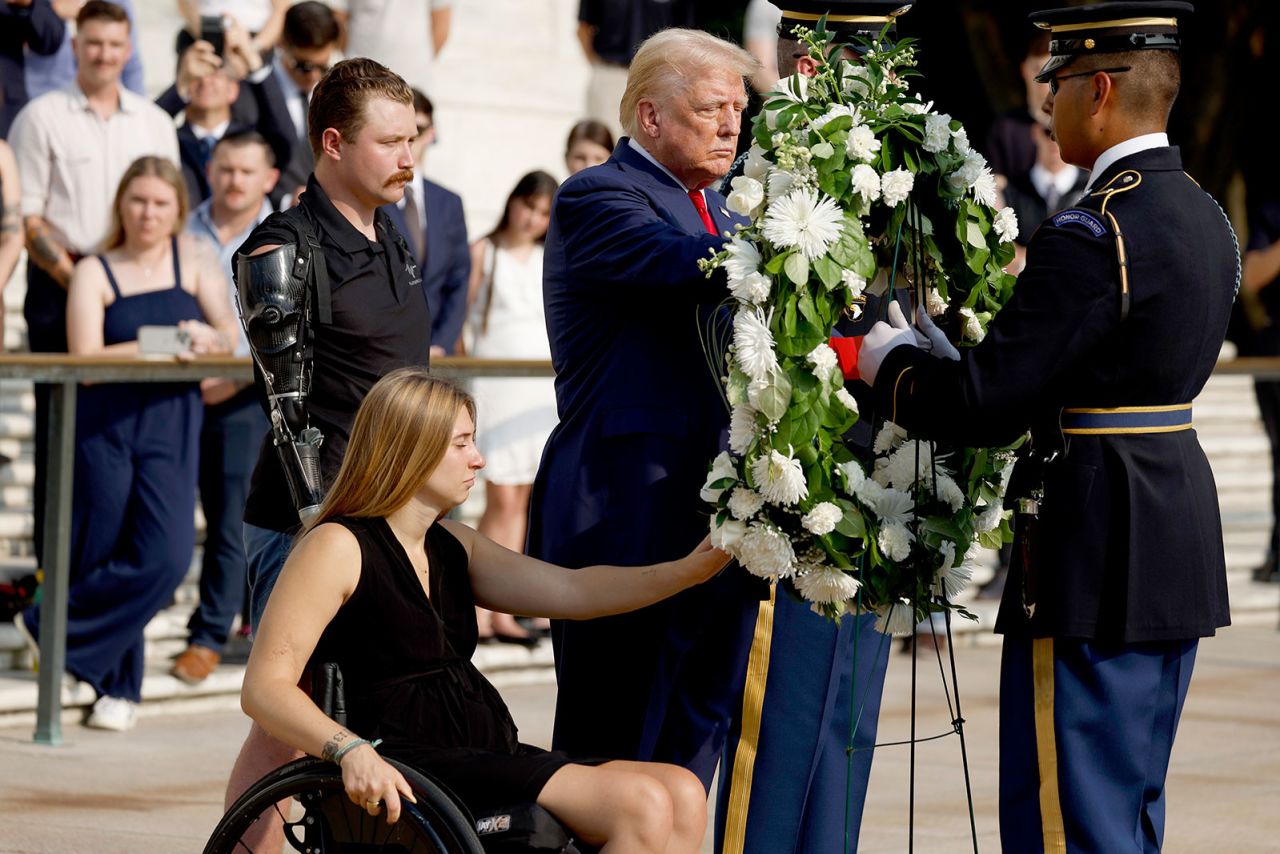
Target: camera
column 213, row 29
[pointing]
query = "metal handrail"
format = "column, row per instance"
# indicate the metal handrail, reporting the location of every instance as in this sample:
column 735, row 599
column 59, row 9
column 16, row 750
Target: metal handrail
column 64, row 372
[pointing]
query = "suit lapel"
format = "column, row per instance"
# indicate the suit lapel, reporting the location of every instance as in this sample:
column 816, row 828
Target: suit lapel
column 672, row 198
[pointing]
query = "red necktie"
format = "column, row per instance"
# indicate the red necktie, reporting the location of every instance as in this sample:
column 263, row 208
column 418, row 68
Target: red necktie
column 701, row 204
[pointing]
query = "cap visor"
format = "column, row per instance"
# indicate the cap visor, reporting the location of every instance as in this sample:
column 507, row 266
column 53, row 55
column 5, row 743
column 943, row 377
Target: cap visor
column 1054, row 63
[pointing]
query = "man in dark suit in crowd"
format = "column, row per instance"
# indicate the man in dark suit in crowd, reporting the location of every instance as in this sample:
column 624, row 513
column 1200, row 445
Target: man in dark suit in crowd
column 29, row 24
column 430, row 217
column 640, row 413
column 1112, row 331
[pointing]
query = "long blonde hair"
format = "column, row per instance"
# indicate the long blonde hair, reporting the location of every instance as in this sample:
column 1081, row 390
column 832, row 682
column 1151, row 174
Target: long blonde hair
column 401, row 433
column 149, row 166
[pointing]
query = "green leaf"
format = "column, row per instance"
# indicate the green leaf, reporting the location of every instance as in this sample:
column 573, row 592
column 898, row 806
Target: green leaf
column 776, row 397
column 774, row 265
column 851, row 524
column 975, row 237
column 823, row 150
column 828, row 271
column 797, row 268
column 808, row 311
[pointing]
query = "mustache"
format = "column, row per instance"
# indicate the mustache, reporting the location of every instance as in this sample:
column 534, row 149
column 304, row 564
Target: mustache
column 402, row 177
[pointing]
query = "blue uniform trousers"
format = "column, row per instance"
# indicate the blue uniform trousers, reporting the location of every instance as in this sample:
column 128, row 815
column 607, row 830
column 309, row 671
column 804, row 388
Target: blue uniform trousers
column 786, row 782
column 133, row 526
column 1086, row 729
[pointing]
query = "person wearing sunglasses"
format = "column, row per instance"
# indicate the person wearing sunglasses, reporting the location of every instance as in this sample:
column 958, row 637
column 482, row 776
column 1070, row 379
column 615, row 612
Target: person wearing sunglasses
column 1111, row 333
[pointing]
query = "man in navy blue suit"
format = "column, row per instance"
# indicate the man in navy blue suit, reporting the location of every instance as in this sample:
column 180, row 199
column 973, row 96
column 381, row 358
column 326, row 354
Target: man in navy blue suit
column 430, row 217
column 641, row 411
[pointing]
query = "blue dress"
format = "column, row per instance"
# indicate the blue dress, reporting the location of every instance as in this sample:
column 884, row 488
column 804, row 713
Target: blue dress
column 133, row 503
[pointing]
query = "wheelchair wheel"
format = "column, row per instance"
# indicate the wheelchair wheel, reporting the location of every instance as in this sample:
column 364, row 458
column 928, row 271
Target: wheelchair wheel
column 319, row 818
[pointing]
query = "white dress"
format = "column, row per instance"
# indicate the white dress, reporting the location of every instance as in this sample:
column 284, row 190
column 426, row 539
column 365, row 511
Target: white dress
column 514, row 415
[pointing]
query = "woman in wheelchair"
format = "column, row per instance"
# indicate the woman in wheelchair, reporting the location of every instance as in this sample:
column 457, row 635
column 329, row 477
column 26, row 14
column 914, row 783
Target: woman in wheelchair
column 385, row 587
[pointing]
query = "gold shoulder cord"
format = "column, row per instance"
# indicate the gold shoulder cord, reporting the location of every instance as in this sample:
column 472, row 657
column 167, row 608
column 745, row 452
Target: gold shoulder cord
column 1130, row 179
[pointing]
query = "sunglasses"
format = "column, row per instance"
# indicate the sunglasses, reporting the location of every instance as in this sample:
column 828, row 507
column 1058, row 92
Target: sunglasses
column 303, row 67
column 1053, row 81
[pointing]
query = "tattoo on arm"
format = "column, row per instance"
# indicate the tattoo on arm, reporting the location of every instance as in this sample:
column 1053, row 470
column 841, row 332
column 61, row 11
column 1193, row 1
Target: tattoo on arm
column 334, row 744
column 47, row 253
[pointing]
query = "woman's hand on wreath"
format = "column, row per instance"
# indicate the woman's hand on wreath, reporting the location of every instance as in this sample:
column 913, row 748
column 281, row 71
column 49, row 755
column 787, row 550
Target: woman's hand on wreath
column 372, row 783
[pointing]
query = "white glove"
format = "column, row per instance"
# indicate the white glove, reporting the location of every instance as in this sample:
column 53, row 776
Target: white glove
column 882, row 338
column 935, row 339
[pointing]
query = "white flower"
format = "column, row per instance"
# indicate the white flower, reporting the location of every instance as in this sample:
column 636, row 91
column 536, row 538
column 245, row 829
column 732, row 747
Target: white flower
column 898, row 618
column 824, row 584
column 862, row 143
column 746, row 197
column 893, row 506
column 822, row 518
column 742, row 428
column 889, row 437
column 984, row 189
column 973, row 330
column 909, row 465
column 757, row 165
column 805, row 220
column 937, row 132
column 866, row 182
column 961, row 140
column 836, row 111
column 780, row 183
column 895, row 186
column 916, row 108
column 753, row 289
column 846, row 399
column 868, row 492
column 951, row 579
column 743, row 260
column 1006, row 225
column 722, row 467
column 744, row 502
column 854, row 476
column 824, row 360
column 855, row 283
column 753, row 344
column 853, row 78
column 950, row 493
column 766, row 552
column 794, row 88
column 934, row 303
column 779, row 478
column 989, row 519
column 969, row 171
column 728, row 536
column 895, row 542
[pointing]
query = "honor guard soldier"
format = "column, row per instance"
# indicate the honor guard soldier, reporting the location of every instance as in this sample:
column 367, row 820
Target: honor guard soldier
column 1113, row 329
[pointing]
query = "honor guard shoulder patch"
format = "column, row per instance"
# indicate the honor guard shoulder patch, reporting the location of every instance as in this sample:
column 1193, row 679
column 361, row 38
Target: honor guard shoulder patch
column 1075, row 216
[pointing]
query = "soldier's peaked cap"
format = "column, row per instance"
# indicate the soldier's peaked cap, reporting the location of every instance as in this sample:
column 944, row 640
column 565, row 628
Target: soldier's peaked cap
column 863, row 18
column 1101, row 28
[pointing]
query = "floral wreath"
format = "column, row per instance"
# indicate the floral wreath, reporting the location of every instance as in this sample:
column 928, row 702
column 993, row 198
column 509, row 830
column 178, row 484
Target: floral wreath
column 854, row 187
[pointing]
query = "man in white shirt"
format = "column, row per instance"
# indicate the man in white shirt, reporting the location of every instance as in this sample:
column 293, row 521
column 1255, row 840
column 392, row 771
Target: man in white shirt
column 404, row 35
column 72, row 147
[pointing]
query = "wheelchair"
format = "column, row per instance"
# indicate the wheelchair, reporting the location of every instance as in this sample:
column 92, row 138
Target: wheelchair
column 319, row 818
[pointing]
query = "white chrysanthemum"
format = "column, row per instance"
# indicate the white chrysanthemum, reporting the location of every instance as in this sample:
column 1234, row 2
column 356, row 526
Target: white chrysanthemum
column 780, row 183
column 898, row 618
column 743, row 428
column 868, row 492
column 1006, row 225
column 961, row 140
column 780, row 478
column 916, row 108
column 822, row 518
column 895, row 542
column 855, row 283
column 744, row 502
column 934, row 303
column 862, row 144
column 746, row 196
column 894, row 507
column 846, row 400
column 950, row 493
column 728, row 536
column 854, row 475
column 805, row 220
column 984, row 189
column 742, row 259
column 866, row 182
column 722, row 467
column 756, row 165
column 937, row 132
column 901, row 471
column 973, row 330
column 895, row 186
column 989, row 519
column 753, row 344
column 836, row 111
column 951, row 578
column 825, row 362
column 766, row 552
column 824, row 584
column 753, row 289
column 969, row 171
column 889, row 437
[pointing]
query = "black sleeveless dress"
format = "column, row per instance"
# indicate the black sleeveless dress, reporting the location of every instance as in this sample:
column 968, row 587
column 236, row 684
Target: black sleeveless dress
column 408, row 676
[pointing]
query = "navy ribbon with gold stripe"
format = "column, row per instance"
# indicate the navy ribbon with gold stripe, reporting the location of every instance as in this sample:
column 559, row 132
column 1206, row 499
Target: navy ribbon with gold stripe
column 1126, row 420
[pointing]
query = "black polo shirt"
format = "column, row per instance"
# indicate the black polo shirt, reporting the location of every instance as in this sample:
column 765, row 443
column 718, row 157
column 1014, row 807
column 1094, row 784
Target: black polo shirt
column 380, row 322
column 621, row 25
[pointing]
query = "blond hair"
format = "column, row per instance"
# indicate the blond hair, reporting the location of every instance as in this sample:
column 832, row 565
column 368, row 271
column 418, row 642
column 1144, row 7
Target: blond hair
column 341, row 98
column 669, row 61
column 147, row 167
column 401, row 433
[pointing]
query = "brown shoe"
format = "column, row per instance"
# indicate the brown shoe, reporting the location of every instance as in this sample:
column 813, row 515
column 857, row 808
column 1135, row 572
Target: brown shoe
column 195, row 664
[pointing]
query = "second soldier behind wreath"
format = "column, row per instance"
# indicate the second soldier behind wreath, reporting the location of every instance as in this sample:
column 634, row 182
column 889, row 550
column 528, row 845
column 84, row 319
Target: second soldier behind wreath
column 1111, row 333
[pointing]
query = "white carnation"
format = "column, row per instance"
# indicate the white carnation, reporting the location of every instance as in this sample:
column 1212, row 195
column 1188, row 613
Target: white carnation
column 722, row 467
column 753, row 344
column 766, row 552
column 895, row 186
column 753, row 289
column 961, row 140
column 855, row 283
column 934, row 303
column 825, row 362
column 806, row 220
column 822, row 518
column 757, row 165
column 824, row 584
column 862, row 143
column 836, row 111
column 989, row 519
column 898, row 618
column 779, row 478
column 1006, row 225
column 937, row 132
column 950, row 493
column 744, row 502
column 916, row 108
column 895, row 542
column 889, row 437
column 728, row 536
column 984, row 189
column 969, row 171
column 846, row 400
column 973, row 330
column 742, row 428
column 854, row 475
column 746, row 196
column 866, row 182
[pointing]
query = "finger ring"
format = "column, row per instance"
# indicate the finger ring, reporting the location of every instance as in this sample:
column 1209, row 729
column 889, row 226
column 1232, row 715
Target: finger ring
column 372, row 804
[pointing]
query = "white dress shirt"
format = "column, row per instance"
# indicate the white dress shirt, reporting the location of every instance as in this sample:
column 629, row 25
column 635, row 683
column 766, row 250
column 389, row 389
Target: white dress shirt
column 1123, row 149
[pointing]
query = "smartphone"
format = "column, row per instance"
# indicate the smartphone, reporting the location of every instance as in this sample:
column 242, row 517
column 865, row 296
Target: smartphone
column 163, row 340
column 213, row 30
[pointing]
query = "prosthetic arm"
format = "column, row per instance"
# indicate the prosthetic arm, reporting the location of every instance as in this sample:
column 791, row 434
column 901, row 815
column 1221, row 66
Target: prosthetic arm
column 276, row 310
